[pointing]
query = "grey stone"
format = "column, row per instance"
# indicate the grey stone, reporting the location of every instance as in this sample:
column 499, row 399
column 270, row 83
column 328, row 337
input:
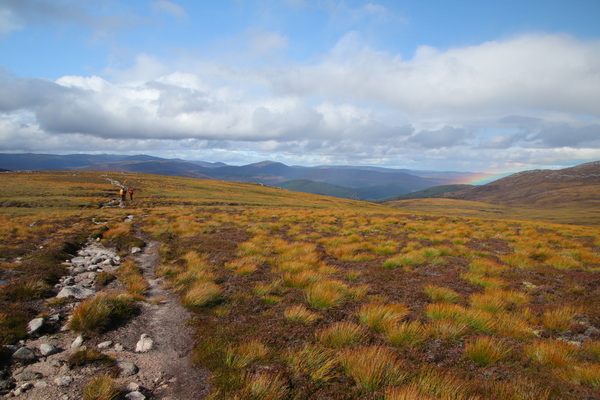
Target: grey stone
column 28, row 376
column 105, row 345
column 40, row 384
column 63, row 380
column 75, row 291
column 135, row 396
column 77, row 342
column 48, row 349
column 135, row 250
column 69, row 281
column 6, row 385
column 133, row 387
column 78, row 260
column 26, row 386
column 144, row 344
column 127, row 368
column 24, row 356
column 35, row 325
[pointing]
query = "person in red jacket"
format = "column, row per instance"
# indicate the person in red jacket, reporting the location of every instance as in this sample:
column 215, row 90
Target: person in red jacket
column 130, row 194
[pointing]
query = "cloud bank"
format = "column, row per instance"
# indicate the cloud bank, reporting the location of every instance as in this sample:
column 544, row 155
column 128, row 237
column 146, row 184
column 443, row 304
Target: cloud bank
column 497, row 105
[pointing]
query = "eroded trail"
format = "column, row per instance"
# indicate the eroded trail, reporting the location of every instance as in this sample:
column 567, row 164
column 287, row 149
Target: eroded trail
column 166, row 369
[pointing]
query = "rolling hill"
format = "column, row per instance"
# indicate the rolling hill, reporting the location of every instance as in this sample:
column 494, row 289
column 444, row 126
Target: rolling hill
column 366, row 182
column 569, row 195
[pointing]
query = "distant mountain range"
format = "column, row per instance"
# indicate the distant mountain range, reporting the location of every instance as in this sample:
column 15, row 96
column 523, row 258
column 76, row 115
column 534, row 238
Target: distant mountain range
column 351, row 182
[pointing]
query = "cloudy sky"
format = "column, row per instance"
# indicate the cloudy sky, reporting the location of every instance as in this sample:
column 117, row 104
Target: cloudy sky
column 465, row 85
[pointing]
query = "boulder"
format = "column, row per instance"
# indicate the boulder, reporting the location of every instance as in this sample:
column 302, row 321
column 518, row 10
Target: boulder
column 144, row 344
column 24, row 356
column 127, row 368
column 35, row 325
column 48, row 349
column 28, row 376
column 75, row 291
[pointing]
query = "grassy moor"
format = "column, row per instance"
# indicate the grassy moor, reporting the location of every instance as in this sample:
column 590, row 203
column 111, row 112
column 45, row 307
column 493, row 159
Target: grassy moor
column 299, row 296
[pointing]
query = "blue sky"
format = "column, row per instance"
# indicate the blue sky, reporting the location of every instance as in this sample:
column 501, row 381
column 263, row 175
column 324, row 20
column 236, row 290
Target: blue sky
column 488, row 86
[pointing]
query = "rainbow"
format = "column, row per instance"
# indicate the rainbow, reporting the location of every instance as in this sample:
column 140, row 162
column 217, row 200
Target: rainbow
column 483, row 178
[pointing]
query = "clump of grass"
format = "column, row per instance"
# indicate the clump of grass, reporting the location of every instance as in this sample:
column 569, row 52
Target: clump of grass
column 583, row 374
column 24, row 290
column 484, row 281
column 202, row 294
column 88, row 356
column 486, row 350
column 300, row 314
column 447, row 329
column 130, row 274
column 443, row 294
column 410, row 392
column 245, row 354
column 379, row 316
column 373, row 367
column 326, row 294
column 552, row 353
column 559, row 319
column 263, row 386
column 518, row 260
column 488, row 301
column 13, row 325
column 513, row 326
column 408, row 333
column 100, row 312
column 104, row 278
column 318, row 362
column 442, row 386
column 102, row 387
column 562, row 261
column 407, row 261
column 341, row 334
column 486, row 267
column 592, row 347
column 437, row 311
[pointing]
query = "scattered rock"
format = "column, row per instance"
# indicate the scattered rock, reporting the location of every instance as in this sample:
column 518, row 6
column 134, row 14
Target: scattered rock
column 135, row 250
column 28, row 376
column 35, row 325
column 127, row 368
column 24, row 356
column 144, row 344
column 6, row 385
column 135, row 396
column 75, row 291
column 133, row 387
column 77, row 342
column 105, row 345
column 48, row 349
column 63, row 380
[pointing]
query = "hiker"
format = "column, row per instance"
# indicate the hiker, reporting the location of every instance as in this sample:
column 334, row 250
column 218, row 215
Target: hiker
column 122, row 193
column 130, row 194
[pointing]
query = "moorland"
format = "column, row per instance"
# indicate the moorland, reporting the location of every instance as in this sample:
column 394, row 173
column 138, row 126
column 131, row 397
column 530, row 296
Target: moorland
column 302, row 296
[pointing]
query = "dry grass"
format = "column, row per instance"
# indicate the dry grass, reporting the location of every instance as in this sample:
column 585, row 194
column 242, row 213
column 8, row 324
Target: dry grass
column 242, row 355
column 300, row 314
column 486, row 350
column 319, row 363
column 560, row 319
column 373, row 367
column 380, row 317
column 263, row 386
column 326, row 294
column 102, row 311
column 442, row 294
column 203, row 294
column 101, row 387
column 341, row 334
column 407, row 334
column 552, row 353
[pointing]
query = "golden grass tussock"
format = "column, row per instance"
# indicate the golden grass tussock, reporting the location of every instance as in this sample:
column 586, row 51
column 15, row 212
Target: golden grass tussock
column 437, row 311
column 407, row 334
column 300, row 314
column 100, row 312
column 130, row 274
column 262, row 386
column 560, row 319
column 513, row 326
column 101, row 387
column 202, row 294
column 486, row 350
column 302, row 279
column 406, row 261
column 410, row 392
column 246, row 353
column 486, row 267
column 587, row 374
column 326, row 294
column 341, row 334
column 551, row 353
column 380, row 316
column 440, row 385
column 484, row 281
column 592, row 348
column 318, row 362
column 518, row 259
column 447, row 329
column 562, row 261
column 373, row 367
column 442, row 294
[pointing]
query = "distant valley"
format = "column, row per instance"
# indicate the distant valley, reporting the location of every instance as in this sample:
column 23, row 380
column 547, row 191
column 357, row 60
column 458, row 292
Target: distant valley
column 349, row 182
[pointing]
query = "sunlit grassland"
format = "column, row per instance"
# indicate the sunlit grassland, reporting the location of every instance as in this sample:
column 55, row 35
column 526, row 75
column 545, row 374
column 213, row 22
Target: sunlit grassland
column 302, row 296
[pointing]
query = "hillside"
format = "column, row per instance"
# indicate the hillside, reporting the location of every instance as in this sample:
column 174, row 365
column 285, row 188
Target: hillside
column 294, row 295
column 432, row 192
column 539, row 187
column 569, row 196
column 368, row 182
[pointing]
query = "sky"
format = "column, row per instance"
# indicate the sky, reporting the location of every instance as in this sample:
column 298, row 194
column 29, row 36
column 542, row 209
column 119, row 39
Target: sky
column 490, row 86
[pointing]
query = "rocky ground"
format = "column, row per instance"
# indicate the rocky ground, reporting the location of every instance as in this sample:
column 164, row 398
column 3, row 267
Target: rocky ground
column 153, row 350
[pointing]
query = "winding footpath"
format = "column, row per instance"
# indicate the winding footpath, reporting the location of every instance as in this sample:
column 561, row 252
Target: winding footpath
column 153, row 350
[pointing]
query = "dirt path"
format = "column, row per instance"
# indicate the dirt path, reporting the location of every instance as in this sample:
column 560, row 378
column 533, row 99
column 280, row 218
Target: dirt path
column 167, row 368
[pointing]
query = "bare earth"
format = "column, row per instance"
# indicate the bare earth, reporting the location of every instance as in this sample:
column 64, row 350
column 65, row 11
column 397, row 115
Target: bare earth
column 165, row 371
